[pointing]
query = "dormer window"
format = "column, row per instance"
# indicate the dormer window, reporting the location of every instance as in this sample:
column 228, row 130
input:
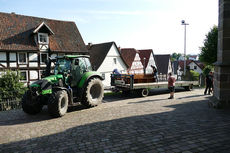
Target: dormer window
column 43, row 38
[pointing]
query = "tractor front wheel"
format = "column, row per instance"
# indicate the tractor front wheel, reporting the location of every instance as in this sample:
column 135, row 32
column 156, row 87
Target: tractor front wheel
column 30, row 104
column 94, row 93
column 58, row 103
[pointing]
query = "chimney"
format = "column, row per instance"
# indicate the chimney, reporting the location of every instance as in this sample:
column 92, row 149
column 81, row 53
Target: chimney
column 89, row 45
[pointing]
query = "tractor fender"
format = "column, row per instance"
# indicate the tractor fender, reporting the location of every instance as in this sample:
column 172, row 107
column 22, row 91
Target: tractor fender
column 88, row 75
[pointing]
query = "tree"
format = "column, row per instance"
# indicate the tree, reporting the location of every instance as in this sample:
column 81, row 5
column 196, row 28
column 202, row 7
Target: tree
column 175, row 56
column 10, row 85
column 208, row 53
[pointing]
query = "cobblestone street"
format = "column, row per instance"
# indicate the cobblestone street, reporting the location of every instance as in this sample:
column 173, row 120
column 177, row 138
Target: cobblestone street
column 122, row 124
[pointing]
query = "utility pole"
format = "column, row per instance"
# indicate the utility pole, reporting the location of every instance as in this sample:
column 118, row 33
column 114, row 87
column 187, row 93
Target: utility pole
column 185, row 24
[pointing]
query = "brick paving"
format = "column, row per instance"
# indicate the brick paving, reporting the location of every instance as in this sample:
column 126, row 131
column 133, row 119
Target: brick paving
column 122, row 124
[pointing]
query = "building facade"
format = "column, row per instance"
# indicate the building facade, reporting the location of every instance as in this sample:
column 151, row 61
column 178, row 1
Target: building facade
column 27, row 42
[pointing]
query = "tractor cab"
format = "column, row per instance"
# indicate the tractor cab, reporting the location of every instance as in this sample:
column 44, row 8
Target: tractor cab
column 73, row 67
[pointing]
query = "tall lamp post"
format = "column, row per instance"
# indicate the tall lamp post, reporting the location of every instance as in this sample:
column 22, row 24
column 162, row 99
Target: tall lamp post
column 185, row 24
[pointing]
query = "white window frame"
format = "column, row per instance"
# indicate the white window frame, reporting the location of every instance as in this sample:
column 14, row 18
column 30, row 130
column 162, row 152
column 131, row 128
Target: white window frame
column 45, row 35
column 26, row 58
column 26, row 80
column 41, row 58
column 195, row 67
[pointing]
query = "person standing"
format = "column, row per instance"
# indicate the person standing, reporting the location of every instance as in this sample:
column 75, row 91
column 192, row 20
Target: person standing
column 155, row 72
column 171, row 85
column 209, row 83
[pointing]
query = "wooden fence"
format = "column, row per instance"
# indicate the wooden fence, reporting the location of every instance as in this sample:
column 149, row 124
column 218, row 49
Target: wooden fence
column 10, row 103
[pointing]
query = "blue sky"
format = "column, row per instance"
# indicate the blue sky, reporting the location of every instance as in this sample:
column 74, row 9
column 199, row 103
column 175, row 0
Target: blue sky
column 140, row 24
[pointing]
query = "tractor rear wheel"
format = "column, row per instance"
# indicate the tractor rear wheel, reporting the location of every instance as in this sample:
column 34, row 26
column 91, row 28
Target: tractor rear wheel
column 30, row 104
column 58, row 103
column 94, row 93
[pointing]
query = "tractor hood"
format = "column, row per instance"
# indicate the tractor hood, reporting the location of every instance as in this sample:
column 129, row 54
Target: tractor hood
column 53, row 78
column 44, row 86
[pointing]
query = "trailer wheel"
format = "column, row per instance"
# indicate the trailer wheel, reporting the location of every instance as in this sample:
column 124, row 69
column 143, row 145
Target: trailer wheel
column 58, row 103
column 188, row 88
column 30, row 104
column 143, row 92
column 94, row 93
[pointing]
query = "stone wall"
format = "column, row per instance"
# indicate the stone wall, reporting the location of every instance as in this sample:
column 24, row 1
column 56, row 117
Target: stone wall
column 221, row 96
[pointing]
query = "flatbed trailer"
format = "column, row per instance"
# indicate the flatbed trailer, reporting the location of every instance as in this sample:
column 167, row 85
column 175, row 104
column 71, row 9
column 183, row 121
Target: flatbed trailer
column 142, row 83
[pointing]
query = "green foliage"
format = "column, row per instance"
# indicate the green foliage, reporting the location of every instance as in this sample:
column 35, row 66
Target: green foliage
column 208, row 53
column 207, row 69
column 175, row 56
column 10, row 85
column 191, row 76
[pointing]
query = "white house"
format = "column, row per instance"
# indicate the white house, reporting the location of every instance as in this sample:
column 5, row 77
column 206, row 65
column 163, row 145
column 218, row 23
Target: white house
column 26, row 43
column 133, row 60
column 147, row 60
column 192, row 65
column 105, row 57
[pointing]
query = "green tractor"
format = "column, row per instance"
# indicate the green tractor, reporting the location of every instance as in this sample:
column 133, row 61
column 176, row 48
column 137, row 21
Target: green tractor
column 72, row 81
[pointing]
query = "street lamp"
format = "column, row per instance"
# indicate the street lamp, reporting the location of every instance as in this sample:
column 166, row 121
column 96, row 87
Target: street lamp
column 184, row 23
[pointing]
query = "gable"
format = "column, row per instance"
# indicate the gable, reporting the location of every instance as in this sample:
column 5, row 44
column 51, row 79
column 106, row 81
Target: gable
column 20, row 34
column 113, row 51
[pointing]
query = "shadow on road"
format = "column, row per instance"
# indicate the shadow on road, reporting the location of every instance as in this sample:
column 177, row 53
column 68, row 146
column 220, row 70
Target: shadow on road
column 189, row 126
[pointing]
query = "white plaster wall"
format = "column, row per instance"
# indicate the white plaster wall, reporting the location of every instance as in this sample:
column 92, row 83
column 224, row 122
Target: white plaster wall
column 149, row 69
column 108, row 65
column 4, row 63
column 137, row 67
column 192, row 64
column 169, row 67
column 22, row 65
column 13, row 64
column 12, row 56
column 2, row 56
column 33, row 64
column 33, row 75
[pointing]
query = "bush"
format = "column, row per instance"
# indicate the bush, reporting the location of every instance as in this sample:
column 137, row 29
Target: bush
column 10, row 85
column 207, row 69
column 191, row 76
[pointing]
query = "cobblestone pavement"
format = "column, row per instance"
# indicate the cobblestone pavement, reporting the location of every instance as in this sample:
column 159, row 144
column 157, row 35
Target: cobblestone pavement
column 133, row 125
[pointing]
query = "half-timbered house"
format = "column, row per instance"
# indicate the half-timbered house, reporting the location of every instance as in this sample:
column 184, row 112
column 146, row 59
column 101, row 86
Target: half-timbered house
column 26, row 42
column 147, row 60
column 133, row 60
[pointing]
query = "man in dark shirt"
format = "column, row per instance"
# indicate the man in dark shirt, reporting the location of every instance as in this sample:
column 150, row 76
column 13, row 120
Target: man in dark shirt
column 209, row 82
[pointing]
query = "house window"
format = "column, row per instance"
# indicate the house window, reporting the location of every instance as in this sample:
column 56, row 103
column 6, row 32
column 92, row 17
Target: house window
column 103, row 75
column 22, row 58
column 115, row 60
column 24, row 75
column 43, row 38
column 195, row 67
column 43, row 58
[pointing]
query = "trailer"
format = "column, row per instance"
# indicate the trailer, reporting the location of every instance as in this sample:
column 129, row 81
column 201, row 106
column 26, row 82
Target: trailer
column 141, row 84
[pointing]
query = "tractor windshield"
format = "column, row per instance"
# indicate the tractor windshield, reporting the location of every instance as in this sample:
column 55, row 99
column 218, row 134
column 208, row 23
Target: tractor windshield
column 62, row 66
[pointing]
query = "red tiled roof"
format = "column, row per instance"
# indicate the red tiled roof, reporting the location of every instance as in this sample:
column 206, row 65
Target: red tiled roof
column 16, row 33
column 128, row 54
column 145, row 53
